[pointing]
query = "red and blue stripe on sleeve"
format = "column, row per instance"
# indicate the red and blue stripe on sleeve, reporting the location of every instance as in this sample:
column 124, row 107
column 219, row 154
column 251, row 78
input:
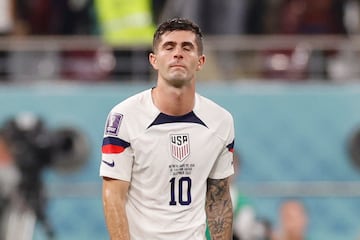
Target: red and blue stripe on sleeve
column 230, row 146
column 114, row 145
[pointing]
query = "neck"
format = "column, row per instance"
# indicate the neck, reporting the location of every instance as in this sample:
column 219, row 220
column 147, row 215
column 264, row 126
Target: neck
column 174, row 101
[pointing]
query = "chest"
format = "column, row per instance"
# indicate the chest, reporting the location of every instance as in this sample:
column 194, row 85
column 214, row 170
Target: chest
column 180, row 147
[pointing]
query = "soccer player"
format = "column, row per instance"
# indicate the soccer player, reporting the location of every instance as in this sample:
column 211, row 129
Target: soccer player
column 167, row 152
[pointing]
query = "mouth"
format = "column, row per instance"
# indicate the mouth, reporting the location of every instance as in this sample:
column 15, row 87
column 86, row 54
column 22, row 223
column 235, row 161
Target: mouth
column 177, row 66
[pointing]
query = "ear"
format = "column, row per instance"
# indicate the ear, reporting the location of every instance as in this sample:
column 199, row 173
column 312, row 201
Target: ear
column 201, row 62
column 153, row 60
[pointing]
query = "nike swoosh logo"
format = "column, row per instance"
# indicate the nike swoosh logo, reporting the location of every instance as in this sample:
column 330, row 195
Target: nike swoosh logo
column 110, row 164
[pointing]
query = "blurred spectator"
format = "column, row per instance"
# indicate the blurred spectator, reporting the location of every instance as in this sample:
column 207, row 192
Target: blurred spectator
column 7, row 17
column 222, row 17
column 262, row 16
column 213, row 16
column 33, row 17
column 304, row 17
column 87, row 65
column 323, row 17
column 293, row 220
column 121, row 22
column 52, row 17
column 157, row 8
column 131, row 25
column 352, row 16
column 9, row 179
column 43, row 17
column 268, row 229
column 343, row 66
column 73, row 17
column 8, row 175
column 312, row 17
column 186, row 9
column 7, row 23
column 291, row 16
column 287, row 64
column 295, row 17
column 247, row 226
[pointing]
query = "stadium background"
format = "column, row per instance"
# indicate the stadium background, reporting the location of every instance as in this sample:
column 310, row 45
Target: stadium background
column 291, row 138
column 294, row 94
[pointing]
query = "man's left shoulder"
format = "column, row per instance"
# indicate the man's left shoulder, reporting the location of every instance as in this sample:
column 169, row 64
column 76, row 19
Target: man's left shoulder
column 213, row 108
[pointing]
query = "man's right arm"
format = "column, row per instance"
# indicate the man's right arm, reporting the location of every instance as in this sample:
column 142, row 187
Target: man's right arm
column 114, row 197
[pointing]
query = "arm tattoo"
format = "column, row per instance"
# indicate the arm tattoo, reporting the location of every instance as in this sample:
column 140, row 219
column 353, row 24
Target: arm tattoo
column 219, row 209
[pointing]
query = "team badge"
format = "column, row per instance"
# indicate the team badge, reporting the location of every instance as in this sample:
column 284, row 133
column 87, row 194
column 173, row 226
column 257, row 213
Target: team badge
column 113, row 124
column 180, row 146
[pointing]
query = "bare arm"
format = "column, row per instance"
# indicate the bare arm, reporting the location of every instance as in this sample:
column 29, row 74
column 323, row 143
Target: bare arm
column 219, row 209
column 114, row 198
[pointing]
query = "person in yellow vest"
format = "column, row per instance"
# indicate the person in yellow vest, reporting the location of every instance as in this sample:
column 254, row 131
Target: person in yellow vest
column 123, row 21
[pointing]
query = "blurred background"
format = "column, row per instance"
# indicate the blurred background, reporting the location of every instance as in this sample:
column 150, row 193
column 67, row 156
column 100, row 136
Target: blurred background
column 288, row 71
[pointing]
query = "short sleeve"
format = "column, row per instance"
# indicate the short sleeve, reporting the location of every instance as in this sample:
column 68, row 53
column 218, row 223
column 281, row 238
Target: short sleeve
column 224, row 166
column 116, row 152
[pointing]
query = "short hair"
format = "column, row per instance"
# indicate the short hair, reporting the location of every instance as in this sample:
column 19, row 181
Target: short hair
column 179, row 24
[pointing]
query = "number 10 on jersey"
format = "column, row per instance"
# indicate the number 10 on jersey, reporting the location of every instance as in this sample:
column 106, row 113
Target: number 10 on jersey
column 180, row 191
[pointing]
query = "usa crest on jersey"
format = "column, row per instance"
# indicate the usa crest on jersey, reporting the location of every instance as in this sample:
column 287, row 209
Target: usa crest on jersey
column 180, row 146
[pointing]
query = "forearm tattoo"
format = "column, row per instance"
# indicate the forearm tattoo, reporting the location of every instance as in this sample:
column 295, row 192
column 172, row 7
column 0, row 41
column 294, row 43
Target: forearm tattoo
column 219, row 209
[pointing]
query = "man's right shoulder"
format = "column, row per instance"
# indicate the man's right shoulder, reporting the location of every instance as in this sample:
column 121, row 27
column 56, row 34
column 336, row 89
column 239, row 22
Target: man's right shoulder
column 131, row 102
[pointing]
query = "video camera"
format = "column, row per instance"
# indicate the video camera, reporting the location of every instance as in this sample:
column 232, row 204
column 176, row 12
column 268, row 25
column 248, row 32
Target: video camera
column 35, row 147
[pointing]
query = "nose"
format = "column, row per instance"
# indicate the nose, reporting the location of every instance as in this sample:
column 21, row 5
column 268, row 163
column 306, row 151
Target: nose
column 178, row 53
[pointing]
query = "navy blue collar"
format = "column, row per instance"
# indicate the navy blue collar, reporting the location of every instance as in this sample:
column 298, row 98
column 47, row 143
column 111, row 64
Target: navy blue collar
column 190, row 117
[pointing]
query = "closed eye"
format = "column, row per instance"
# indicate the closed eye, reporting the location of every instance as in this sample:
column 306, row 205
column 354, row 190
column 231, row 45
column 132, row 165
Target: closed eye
column 169, row 45
column 188, row 46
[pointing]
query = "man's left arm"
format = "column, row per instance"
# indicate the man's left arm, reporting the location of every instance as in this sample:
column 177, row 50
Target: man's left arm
column 219, row 209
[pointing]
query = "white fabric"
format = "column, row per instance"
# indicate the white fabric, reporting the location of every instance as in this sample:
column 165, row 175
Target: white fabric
column 155, row 173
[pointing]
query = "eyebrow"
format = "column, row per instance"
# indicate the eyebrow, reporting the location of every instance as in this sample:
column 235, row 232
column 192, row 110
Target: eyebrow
column 183, row 44
column 190, row 44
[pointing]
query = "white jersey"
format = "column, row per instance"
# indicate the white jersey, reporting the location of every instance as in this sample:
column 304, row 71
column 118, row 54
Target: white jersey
column 167, row 160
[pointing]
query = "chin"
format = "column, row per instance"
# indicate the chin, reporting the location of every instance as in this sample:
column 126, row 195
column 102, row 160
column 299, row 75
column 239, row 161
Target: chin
column 178, row 80
column 178, row 83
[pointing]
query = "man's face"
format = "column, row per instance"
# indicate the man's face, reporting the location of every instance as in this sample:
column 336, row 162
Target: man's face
column 176, row 58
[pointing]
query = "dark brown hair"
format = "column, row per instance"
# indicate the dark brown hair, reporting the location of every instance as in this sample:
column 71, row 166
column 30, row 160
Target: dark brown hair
column 178, row 24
